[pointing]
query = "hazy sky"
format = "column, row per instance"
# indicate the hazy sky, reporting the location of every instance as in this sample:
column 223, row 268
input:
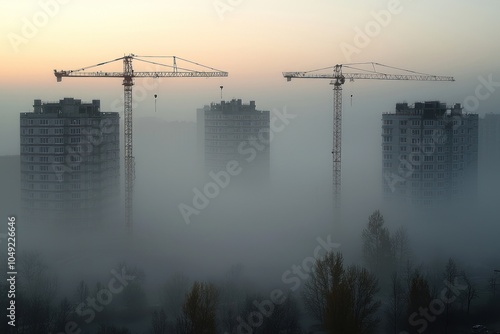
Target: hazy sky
column 267, row 229
column 253, row 40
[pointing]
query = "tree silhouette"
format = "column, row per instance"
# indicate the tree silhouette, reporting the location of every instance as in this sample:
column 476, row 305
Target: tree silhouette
column 199, row 310
column 419, row 297
column 159, row 323
column 377, row 246
column 343, row 299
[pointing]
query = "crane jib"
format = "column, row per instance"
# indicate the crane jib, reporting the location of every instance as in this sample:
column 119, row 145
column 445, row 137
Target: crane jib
column 128, row 74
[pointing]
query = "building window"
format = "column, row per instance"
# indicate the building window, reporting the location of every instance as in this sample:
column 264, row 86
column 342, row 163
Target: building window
column 44, row 140
column 43, row 131
column 402, row 148
column 402, row 131
column 403, row 123
column 402, row 139
column 43, row 149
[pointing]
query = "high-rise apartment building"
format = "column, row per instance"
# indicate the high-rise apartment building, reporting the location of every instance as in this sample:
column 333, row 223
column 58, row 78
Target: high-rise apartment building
column 489, row 157
column 429, row 153
column 489, row 142
column 70, row 161
column 232, row 130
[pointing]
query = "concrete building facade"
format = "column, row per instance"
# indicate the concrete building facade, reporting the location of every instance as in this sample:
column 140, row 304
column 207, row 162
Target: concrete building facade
column 429, row 153
column 489, row 157
column 70, row 161
column 489, row 142
column 231, row 130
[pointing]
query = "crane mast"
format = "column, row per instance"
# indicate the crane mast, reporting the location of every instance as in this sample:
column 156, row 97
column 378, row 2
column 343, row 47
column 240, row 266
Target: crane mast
column 338, row 77
column 128, row 76
column 128, row 83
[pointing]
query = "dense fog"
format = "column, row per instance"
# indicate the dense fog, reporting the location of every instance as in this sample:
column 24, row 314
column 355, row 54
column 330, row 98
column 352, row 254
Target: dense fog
column 258, row 229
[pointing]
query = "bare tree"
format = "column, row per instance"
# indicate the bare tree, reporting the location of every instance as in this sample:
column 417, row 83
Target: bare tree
column 419, row 296
column 470, row 291
column 377, row 247
column 284, row 318
column 199, row 310
column 316, row 289
column 401, row 250
column 159, row 323
column 450, row 274
column 396, row 308
column 343, row 299
column 262, row 316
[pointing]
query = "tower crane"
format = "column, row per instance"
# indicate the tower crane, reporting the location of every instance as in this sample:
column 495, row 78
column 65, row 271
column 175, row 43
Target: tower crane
column 338, row 77
column 128, row 74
